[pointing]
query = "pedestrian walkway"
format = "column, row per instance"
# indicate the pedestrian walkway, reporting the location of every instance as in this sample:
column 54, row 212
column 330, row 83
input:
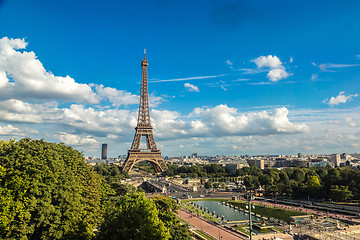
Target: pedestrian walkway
column 211, row 228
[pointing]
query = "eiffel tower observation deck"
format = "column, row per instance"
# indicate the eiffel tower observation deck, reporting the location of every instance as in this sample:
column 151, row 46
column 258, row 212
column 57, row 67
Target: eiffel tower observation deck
column 144, row 129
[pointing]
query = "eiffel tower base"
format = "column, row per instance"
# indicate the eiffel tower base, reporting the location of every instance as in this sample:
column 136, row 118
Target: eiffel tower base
column 154, row 158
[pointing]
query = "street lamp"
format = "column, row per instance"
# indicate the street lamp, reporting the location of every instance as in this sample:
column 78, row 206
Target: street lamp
column 250, row 225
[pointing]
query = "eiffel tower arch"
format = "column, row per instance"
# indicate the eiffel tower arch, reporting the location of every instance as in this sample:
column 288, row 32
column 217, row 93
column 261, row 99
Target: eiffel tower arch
column 144, row 129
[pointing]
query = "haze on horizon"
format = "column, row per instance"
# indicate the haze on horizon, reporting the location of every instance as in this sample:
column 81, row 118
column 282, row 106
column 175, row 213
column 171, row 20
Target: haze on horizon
column 225, row 77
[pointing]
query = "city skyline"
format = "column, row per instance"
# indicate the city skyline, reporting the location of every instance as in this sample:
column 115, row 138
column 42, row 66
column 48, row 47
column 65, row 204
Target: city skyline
column 225, row 77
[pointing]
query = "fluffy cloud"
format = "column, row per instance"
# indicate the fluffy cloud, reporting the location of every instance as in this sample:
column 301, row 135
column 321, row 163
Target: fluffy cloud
column 116, row 97
column 9, row 130
column 274, row 65
column 72, row 139
column 77, row 117
column 218, row 121
column 222, row 120
column 350, row 121
column 191, row 88
column 225, row 121
column 22, row 76
column 341, row 98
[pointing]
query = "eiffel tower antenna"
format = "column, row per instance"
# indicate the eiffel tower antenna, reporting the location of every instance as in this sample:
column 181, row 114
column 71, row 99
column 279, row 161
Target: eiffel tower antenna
column 144, row 129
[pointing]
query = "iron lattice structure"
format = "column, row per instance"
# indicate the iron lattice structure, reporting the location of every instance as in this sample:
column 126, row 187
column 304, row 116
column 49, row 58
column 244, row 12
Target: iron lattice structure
column 144, row 129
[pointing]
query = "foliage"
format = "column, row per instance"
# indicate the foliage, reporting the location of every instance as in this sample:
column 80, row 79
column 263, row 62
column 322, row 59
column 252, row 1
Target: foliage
column 314, row 182
column 133, row 217
column 166, row 207
column 251, row 182
column 340, row 193
column 122, row 189
column 145, row 166
column 47, row 191
column 110, row 172
column 209, row 170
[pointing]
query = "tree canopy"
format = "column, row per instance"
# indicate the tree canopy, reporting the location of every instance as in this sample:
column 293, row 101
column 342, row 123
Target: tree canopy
column 47, row 191
column 166, row 207
column 133, row 217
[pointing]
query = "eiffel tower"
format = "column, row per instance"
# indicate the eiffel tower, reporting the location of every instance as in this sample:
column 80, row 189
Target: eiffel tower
column 152, row 153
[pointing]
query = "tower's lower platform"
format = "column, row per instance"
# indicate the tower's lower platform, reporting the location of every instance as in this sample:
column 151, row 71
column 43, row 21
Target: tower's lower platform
column 153, row 157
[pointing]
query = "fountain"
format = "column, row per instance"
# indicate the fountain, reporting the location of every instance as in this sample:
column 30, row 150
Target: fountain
column 262, row 227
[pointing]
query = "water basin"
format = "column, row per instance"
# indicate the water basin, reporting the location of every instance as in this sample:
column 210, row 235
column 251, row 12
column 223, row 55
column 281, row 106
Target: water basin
column 230, row 214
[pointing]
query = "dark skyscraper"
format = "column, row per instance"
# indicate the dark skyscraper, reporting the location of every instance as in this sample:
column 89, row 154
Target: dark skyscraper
column 104, row 151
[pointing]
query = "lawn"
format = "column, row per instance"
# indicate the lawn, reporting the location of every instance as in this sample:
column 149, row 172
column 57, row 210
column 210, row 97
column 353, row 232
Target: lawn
column 204, row 235
column 270, row 212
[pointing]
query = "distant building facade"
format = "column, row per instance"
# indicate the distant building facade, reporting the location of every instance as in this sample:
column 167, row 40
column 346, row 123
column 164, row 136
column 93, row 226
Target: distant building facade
column 335, row 159
column 260, row 163
column 231, row 168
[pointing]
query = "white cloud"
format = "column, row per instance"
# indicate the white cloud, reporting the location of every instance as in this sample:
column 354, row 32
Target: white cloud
column 112, row 136
column 350, row 121
column 223, row 87
column 187, row 78
column 116, row 97
column 154, row 100
column 222, row 120
column 76, row 117
column 268, row 61
column 72, row 139
column 123, row 98
column 9, row 130
column 22, row 76
column 191, row 88
column 314, row 76
column 327, row 67
column 341, row 98
column 229, row 63
column 274, row 65
column 277, row 74
column 291, row 60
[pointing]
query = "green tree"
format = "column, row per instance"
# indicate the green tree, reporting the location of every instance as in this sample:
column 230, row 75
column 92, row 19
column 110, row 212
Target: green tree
column 47, row 192
column 340, row 193
column 208, row 185
column 251, row 182
column 313, row 185
column 134, row 217
column 110, row 172
column 298, row 175
column 166, row 207
column 313, row 182
column 122, row 189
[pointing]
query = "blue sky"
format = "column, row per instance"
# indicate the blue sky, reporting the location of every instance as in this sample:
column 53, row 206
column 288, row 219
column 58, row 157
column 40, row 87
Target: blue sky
column 225, row 77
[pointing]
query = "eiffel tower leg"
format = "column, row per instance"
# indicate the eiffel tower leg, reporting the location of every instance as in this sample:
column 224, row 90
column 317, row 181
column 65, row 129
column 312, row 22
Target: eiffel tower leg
column 156, row 167
column 129, row 163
